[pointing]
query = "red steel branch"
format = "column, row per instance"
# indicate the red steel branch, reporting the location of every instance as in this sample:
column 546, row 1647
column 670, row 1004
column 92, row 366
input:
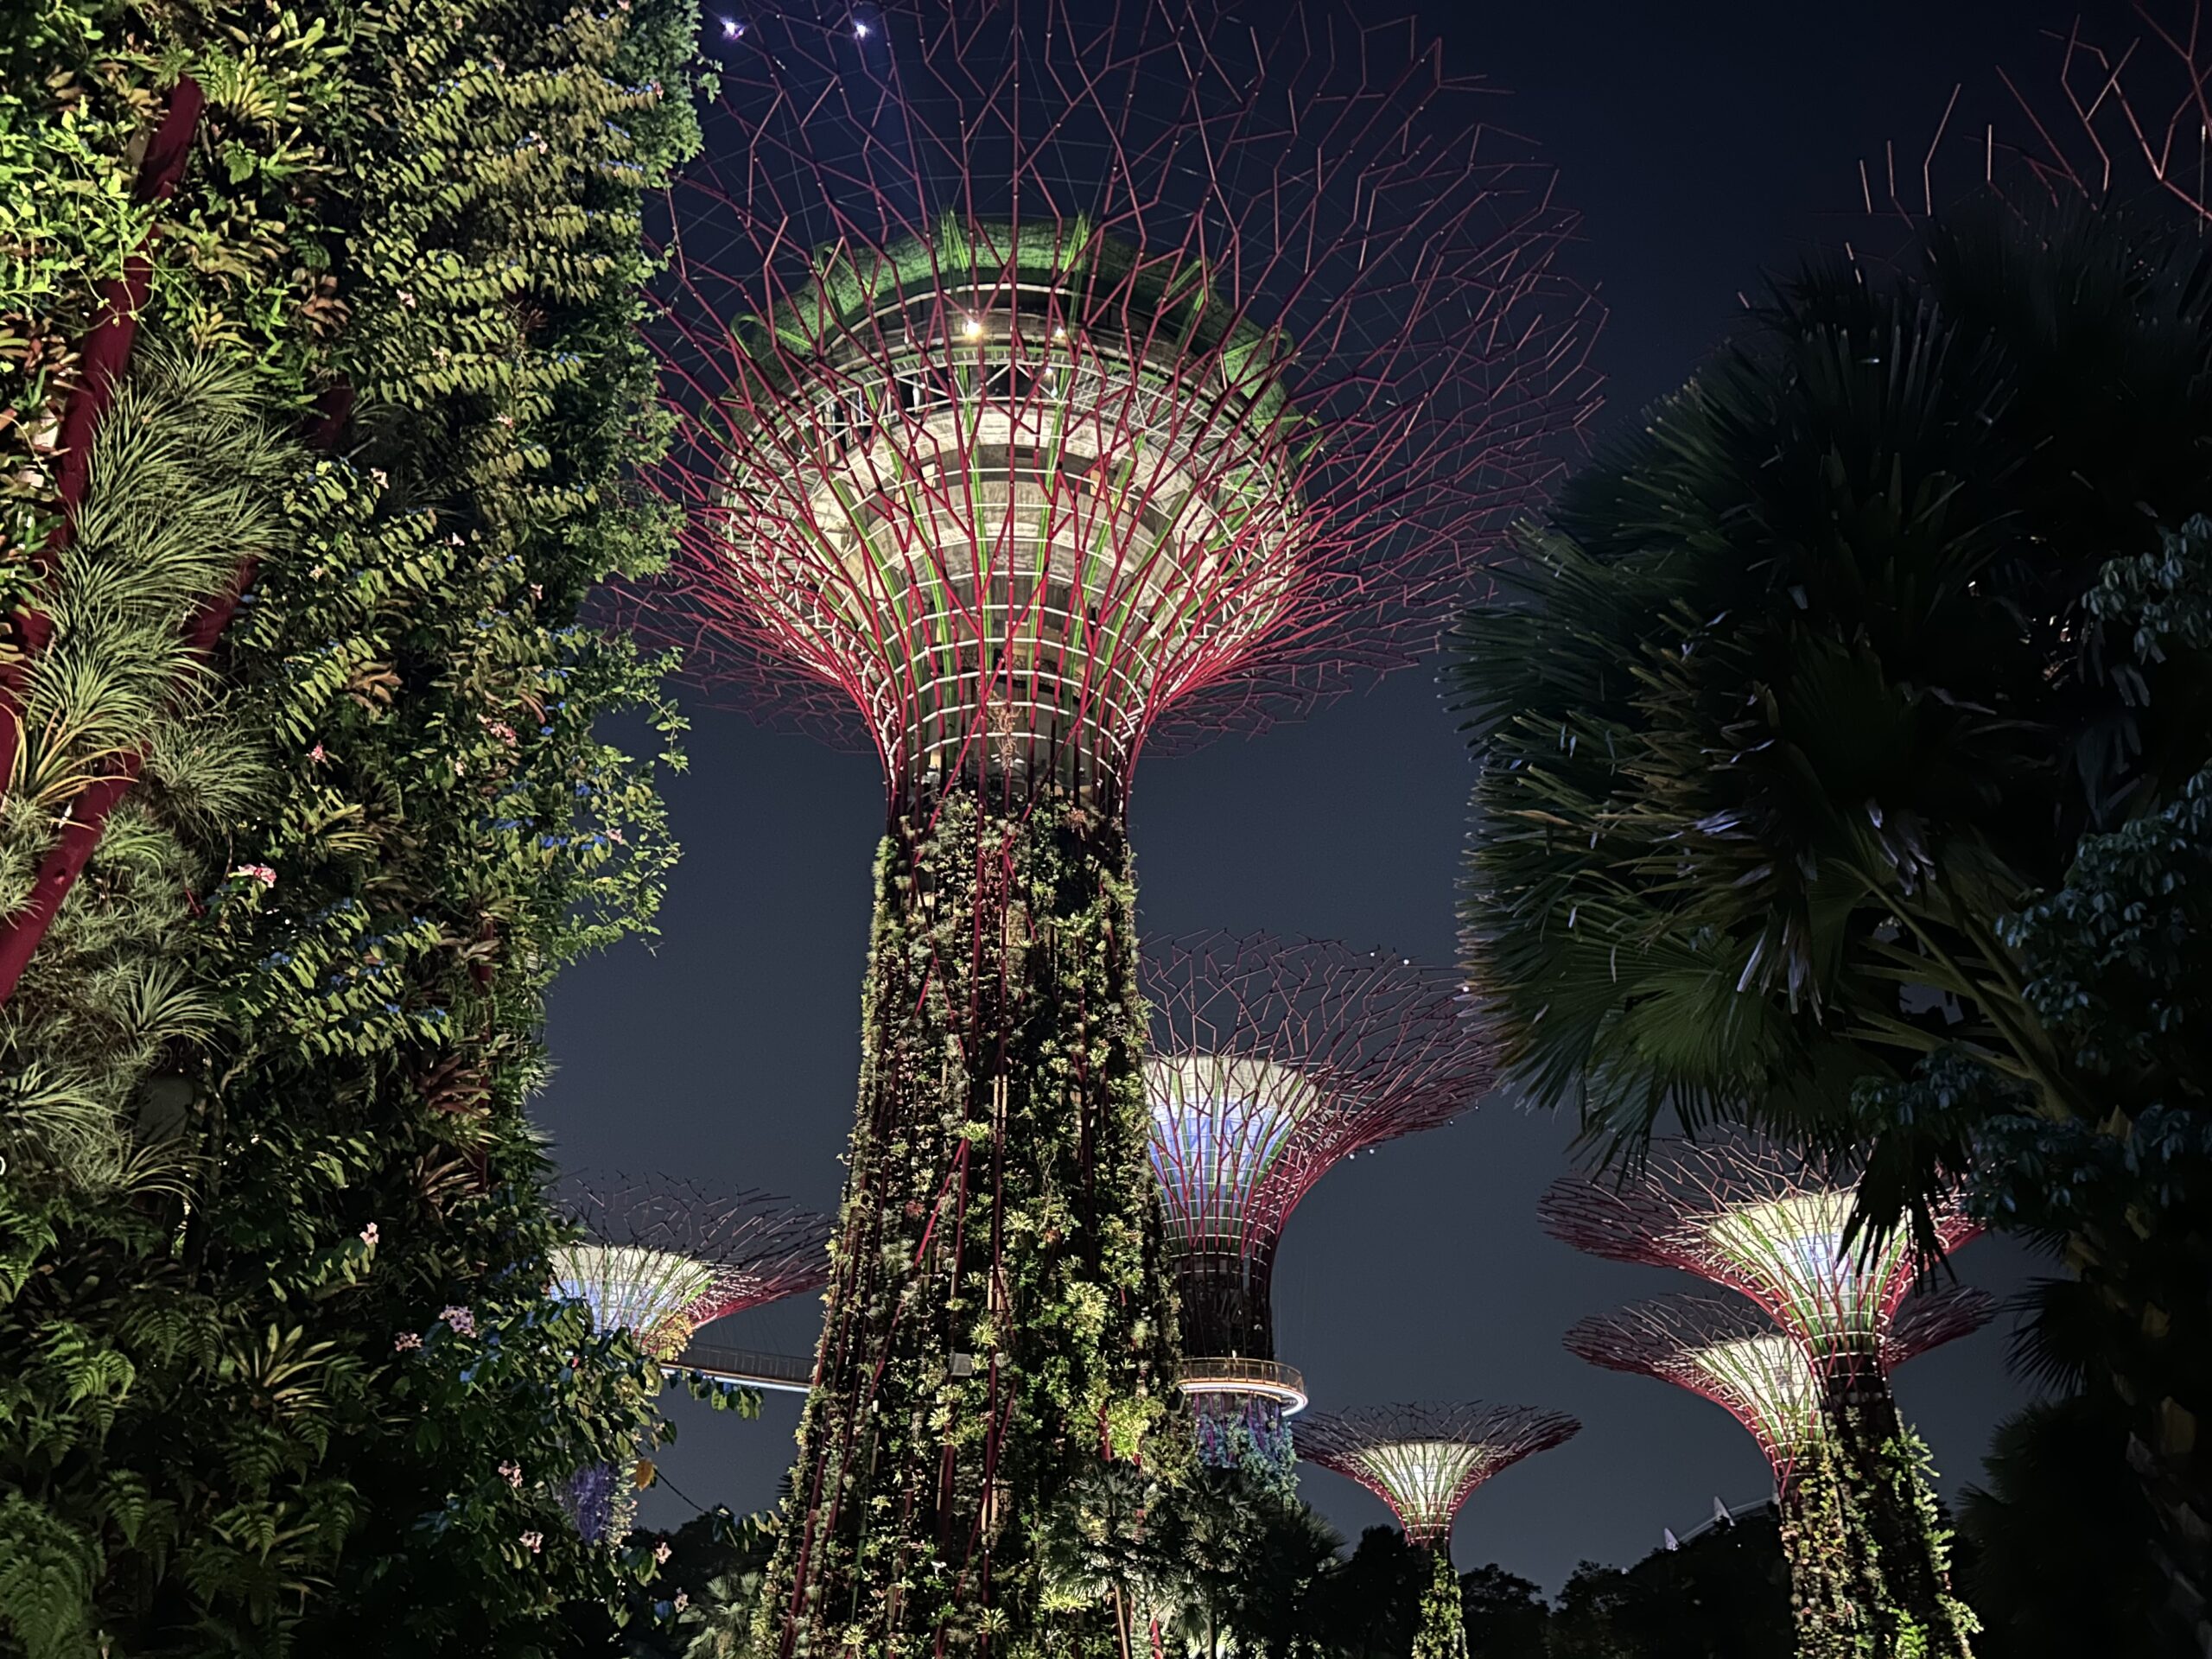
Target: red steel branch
column 105, row 355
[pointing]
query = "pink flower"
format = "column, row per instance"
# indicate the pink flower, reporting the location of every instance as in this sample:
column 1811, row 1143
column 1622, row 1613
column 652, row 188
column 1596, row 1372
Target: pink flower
column 406, row 1342
column 683, row 1599
column 407, row 298
column 530, row 1540
column 369, row 1235
column 662, row 1552
column 260, row 873
column 317, row 754
column 513, row 1473
column 459, row 1320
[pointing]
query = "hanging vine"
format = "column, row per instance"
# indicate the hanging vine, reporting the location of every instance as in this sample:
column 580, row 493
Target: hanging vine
column 999, row 1311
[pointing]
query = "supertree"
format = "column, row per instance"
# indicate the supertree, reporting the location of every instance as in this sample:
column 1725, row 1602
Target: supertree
column 1728, row 1351
column 1046, row 375
column 1271, row 1061
column 1424, row 1461
column 1757, row 1217
column 661, row 1257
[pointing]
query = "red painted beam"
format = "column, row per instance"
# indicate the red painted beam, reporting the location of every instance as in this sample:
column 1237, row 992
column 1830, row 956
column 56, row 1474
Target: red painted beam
column 106, row 355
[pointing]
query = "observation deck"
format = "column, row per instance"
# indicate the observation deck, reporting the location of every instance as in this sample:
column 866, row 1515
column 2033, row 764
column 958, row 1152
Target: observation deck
column 1268, row 1379
column 778, row 1373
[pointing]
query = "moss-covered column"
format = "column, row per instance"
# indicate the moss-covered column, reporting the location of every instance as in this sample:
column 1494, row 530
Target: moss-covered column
column 1881, row 1471
column 1833, row 1580
column 1442, row 1632
column 999, row 1318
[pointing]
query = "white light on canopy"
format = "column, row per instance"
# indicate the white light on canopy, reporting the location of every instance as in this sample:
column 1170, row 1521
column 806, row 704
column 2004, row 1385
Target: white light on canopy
column 1794, row 1250
column 1768, row 1379
column 1427, row 1480
column 649, row 1293
column 1219, row 1123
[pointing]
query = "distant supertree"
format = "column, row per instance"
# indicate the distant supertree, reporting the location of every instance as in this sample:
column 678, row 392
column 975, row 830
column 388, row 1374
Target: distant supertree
column 1271, row 1061
column 1743, row 1212
column 1047, row 374
column 1728, row 1351
column 659, row 1258
column 1423, row 1461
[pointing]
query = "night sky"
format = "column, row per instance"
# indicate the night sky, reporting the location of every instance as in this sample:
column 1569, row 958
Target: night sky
column 1706, row 144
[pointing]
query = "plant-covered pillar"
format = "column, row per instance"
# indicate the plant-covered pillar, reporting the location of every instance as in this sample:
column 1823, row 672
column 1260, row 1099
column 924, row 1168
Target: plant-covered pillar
column 1880, row 1468
column 999, row 1320
column 1442, row 1632
column 1832, row 1574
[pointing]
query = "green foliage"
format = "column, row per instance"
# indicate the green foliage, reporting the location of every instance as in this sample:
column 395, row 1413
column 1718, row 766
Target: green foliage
column 1442, row 1632
column 1721, row 1594
column 273, row 1243
column 1804, row 691
column 2056, row 1558
column 999, row 1261
column 1842, row 771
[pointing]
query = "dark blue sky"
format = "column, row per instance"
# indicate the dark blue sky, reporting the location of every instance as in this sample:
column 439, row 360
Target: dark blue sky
column 1706, row 142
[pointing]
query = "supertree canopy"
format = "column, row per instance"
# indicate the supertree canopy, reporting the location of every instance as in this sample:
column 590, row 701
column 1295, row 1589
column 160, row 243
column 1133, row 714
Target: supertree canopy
column 1424, row 1461
column 1271, row 1061
column 1045, row 375
column 1748, row 1213
column 659, row 1258
column 1730, row 1351
column 1751, row 1214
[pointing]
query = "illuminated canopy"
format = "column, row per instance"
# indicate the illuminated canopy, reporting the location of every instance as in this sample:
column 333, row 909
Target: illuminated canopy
column 1272, row 1060
column 662, row 1257
column 1729, row 1351
column 1220, row 1129
column 1423, row 1460
column 1144, row 375
column 1747, row 1213
column 1014, row 491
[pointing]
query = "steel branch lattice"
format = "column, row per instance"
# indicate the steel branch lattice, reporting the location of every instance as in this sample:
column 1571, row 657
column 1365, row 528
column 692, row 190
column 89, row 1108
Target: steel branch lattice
column 1271, row 1061
column 1045, row 369
column 661, row 1257
column 1423, row 1460
column 1728, row 1351
column 1751, row 1214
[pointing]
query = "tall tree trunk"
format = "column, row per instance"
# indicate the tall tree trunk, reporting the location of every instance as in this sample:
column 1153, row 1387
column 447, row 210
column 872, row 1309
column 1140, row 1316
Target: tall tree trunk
column 999, row 1318
column 1880, row 1470
column 1833, row 1580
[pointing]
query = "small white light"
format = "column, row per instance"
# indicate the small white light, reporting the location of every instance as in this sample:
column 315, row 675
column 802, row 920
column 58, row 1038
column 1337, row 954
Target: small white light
column 859, row 31
column 732, row 28
column 1059, row 334
column 971, row 328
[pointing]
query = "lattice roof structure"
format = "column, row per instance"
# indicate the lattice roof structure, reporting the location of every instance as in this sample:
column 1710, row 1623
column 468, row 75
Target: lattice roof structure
column 1424, row 1459
column 1749, row 1213
column 1272, row 1060
column 662, row 1257
column 1730, row 1351
column 1046, row 372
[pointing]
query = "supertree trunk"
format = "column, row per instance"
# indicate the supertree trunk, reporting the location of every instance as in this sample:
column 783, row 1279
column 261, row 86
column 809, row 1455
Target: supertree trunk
column 999, row 1316
column 1442, row 1633
column 1832, row 1581
column 1881, row 1473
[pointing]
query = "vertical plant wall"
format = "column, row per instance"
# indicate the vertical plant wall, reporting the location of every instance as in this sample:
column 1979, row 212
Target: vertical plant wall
column 994, row 1263
column 296, row 681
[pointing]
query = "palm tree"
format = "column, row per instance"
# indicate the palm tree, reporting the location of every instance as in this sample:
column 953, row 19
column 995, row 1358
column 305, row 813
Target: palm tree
column 1821, row 678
